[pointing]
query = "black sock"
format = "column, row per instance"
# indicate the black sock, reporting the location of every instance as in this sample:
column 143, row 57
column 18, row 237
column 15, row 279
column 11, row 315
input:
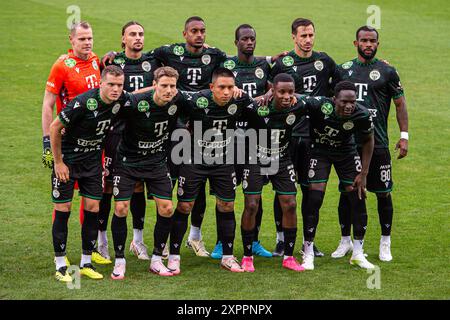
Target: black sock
column 247, row 240
column 385, row 214
column 89, row 231
column 311, row 216
column 179, row 227
column 359, row 215
column 227, row 226
column 305, row 191
column 258, row 219
column 103, row 213
column 290, row 235
column 198, row 210
column 161, row 234
column 137, row 208
column 119, row 234
column 59, row 232
column 345, row 215
column 217, row 226
column 277, row 214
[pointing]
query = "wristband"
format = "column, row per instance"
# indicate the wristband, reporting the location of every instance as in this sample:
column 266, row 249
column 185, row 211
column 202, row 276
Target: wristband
column 404, row 135
column 46, row 142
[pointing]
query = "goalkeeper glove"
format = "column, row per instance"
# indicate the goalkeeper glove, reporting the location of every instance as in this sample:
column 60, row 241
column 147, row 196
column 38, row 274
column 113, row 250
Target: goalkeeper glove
column 47, row 155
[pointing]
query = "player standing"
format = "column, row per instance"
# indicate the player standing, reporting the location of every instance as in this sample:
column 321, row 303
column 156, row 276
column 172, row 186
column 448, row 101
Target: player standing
column 333, row 122
column 138, row 68
column 77, row 154
column 314, row 73
column 377, row 84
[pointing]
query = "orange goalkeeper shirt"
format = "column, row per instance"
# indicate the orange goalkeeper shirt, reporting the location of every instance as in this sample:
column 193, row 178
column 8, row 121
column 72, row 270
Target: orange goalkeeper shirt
column 73, row 76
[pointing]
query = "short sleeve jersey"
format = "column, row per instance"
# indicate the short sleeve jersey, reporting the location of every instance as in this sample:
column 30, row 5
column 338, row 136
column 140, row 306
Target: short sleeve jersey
column 71, row 77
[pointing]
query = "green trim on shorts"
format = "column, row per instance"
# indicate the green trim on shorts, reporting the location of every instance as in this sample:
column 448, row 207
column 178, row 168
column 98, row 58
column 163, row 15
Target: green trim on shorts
column 381, row 191
column 89, row 196
column 346, row 181
column 252, row 192
column 159, row 197
column 122, row 199
column 186, row 200
column 286, row 193
column 61, row 201
column 303, row 184
column 317, row 181
column 224, row 199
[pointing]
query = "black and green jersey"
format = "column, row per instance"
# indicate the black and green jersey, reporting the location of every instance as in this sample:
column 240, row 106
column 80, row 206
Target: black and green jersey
column 138, row 73
column 313, row 76
column 274, row 128
column 87, row 120
column 331, row 134
column 146, row 136
column 250, row 77
column 195, row 70
column 377, row 83
column 213, row 126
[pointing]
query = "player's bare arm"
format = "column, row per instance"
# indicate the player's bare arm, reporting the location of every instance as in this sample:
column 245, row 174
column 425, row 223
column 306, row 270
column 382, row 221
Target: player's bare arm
column 366, row 155
column 402, row 119
column 61, row 170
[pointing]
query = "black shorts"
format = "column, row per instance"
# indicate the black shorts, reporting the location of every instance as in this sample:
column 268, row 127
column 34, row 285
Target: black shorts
column 156, row 178
column 300, row 150
column 283, row 181
column 222, row 181
column 111, row 143
column 347, row 168
column 379, row 179
column 89, row 178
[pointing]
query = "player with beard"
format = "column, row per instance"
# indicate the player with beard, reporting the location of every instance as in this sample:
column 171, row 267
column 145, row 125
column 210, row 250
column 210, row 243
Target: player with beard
column 314, row 74
column 378, row 83
column 252, row 77
column 138, row 68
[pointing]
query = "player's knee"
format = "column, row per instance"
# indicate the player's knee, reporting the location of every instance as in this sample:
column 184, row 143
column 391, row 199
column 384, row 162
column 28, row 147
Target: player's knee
column 289, row 205
column 121, row 208
column 91, row 205
column 251, row 206
column 139, row 187
column 383, row 195
column 165, row 209
column 225, row 206
column 63, row 207
column 185, row 207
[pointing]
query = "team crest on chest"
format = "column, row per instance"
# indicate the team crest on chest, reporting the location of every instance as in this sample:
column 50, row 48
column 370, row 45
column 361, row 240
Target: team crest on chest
column 178, row 50
column 290, row 119
column 70, row 62
column 116, row 108
column 318, row 65
column 143, row 106
column 288, row 61
column 119, row 60
column 259, row 73
column 202, row 102
column 348, row 125
column 146, row 66
column 206, row 59
column 94, row 65
column 229, row 64
column 374, row 75
column 232, row 109
column 327, row 108
column 172, row 109
column 263, row 111
column 91, row 104
column 347, row 65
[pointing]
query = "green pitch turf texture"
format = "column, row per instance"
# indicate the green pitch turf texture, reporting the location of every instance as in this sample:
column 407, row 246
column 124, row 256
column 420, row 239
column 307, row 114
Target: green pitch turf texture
column 414, row 38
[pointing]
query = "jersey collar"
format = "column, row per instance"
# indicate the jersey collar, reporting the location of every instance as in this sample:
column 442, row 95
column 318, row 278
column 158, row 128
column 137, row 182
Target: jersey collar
column 373, row 61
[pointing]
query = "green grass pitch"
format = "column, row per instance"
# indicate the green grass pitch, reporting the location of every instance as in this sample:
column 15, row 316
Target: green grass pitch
column 414, row 38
